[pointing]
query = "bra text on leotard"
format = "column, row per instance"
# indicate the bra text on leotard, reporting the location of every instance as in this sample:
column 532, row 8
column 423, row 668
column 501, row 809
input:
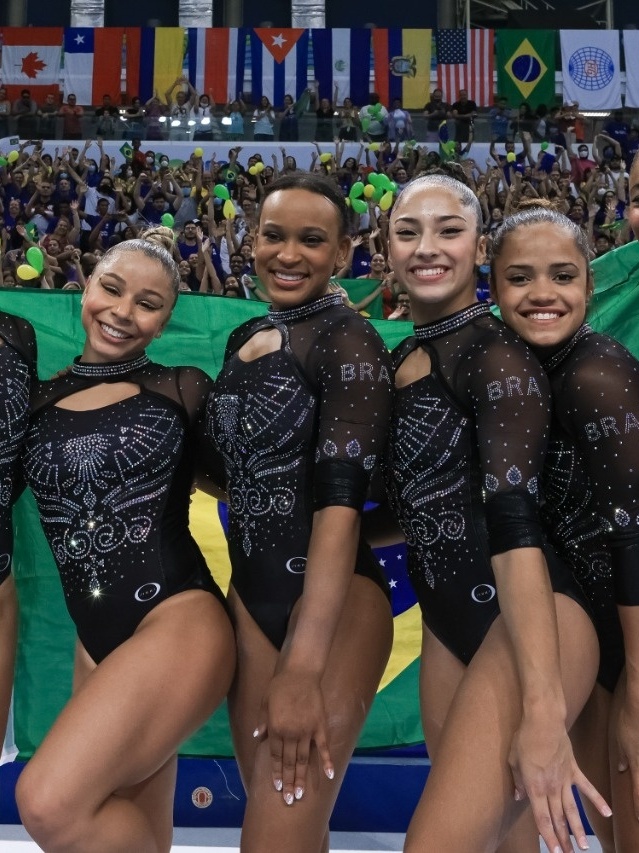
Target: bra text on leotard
column 364, row 371
column 608, row 425
column 513, row 386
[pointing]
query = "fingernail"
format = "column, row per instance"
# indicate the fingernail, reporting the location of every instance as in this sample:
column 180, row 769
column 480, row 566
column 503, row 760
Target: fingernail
column 256, row 733
column 557, row 849
column 299, row 793
column 278, row 784
column 607, row 811
column 583, row 845
column 330, row 773
column 288, row 799
column 517, row 795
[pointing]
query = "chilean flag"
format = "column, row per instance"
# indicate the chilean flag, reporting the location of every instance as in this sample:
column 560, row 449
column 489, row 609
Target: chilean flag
column 216, row 61
column 31, row 60
column 91, row 66
column 279, row 63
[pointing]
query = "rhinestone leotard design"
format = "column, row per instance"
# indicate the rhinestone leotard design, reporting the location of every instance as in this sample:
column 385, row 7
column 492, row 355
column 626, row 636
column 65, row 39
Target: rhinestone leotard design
column 17, row 367
column 112, row 487
column 467, row 437
column 591, row 476
column 323, row 398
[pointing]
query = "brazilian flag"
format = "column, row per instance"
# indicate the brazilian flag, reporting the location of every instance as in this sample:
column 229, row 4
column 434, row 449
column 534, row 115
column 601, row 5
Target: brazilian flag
column 526, row 66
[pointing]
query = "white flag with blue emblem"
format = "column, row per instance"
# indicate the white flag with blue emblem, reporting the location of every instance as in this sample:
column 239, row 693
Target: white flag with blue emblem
column 590, row 68
column 631, row 52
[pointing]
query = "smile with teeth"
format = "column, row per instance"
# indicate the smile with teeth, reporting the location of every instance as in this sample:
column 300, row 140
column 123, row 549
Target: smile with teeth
column 289, row 276
column 113, row 333
column 429, row 272
column 543, row 315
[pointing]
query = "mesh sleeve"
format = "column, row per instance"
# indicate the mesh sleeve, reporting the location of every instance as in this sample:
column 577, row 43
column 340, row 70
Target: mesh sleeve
column 196, row 388
column 510, row 399
column 600, row 398
column 353, row 373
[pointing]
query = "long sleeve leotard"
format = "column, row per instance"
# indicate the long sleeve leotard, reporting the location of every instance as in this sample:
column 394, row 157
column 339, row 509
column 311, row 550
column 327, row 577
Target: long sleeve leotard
column 463, row 469
column 591, row 479
column 17, row 369
column 112, row 486
column 299, row 428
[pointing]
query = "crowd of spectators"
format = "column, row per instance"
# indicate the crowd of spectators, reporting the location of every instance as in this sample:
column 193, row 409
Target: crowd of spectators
column 76, row 203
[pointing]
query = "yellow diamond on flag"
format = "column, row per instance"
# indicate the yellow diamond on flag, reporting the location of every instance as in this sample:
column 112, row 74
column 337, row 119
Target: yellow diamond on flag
column 526, row 68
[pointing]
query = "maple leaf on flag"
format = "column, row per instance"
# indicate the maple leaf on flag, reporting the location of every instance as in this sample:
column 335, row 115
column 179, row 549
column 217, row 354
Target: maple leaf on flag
column 31, row 64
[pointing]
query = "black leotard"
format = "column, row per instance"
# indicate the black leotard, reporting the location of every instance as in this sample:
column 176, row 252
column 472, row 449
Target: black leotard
column 462, row 472
column 300, row 428
column 113, row 489
column 591, row 479
column 17, row 368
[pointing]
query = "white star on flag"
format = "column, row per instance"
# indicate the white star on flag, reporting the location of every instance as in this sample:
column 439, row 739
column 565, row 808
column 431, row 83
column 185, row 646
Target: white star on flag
column 79, row 39
column 392, row 583
column 382, row 563
column 279, row 41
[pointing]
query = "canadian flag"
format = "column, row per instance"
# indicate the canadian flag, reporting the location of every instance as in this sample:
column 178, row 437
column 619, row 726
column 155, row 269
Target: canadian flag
column 31, row 60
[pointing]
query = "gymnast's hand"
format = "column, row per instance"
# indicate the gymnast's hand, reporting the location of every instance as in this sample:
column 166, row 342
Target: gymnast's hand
column 293, row 718
column 544, row 769
column 628, row 744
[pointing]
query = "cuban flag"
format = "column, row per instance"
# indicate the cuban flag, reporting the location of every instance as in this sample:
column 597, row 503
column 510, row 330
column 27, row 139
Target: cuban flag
column 341, row 58
column 591, row 70
column 91, row 69
column 216, row 61
column 279, row 63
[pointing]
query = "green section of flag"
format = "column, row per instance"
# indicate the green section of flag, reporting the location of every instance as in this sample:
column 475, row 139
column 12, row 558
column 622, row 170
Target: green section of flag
column 526, row 66
column 196, row 335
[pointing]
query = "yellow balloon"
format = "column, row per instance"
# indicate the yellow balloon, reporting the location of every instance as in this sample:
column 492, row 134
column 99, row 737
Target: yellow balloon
column 198, row 152
column 252, row 170
column 259, row 167
column 374, row 146
column 369, row 189
column 325, row 158
column 27, row 273
column 12, row 156
column 229, row 209
column 386, row 201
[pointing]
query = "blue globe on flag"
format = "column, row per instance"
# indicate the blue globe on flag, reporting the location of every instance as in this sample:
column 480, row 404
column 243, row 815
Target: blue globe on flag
column 526, row 68
column 591, row 68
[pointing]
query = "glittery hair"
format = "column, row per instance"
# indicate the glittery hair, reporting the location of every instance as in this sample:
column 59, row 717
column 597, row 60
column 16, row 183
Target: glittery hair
column 155, row 243
column 438, row 179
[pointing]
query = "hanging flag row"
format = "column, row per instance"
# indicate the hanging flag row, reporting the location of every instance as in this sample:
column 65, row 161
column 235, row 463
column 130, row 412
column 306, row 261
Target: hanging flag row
column 273, row 62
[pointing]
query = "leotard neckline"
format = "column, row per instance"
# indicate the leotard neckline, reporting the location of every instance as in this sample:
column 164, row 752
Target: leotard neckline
column 108, row 369
column 449, row 324
column 301, row 312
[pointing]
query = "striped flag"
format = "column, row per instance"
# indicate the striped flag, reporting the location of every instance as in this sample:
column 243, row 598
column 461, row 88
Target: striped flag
column 92, row 63
column 153, row 60
column 341, row 58
column 591, row 68
column 31, row 60
column 216, row 61
column 631, row 51
column 402, row 66
column 279, row 63
column 465, row 60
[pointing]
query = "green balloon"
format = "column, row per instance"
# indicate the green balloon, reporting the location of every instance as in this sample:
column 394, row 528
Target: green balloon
column 375, row 179
column 167, row 220
column 356, row 190
column 379, row 192
column 3, row 162
column 220, row 191
column 359, row 206
column 36, row 258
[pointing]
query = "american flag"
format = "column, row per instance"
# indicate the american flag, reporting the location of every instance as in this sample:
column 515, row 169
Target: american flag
column 465, row 60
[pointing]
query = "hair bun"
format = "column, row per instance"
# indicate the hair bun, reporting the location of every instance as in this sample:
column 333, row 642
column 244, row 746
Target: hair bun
column 159, row 235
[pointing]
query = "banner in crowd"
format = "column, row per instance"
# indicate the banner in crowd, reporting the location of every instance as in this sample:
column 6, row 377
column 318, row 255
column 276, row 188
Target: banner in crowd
column 465, row 60
column 31, row 60
column 526, row 66
column 216, row 59
column 154, row 60
column 341, row 63
column 401, row 61
column 279, row 63
column 89, row 67
column 631, row 53
column 591, row 69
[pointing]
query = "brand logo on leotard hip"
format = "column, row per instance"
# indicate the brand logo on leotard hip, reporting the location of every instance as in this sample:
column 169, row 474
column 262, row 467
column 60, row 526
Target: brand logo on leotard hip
column 296, row 565
column 147, row 591
column 202, row 797
column 482, row 593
